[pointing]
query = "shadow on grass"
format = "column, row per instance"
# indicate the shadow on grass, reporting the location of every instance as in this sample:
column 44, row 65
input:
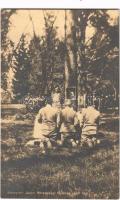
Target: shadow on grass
column 60, row 156
column 111, row 125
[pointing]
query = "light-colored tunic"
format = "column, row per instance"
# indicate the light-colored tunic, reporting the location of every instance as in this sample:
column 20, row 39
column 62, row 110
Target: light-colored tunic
column 80, row 118
column 68, row 120
column 89, row 118
column 46, row 122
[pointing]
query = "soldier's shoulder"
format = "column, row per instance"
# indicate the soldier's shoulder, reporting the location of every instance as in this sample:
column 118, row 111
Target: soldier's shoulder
column 84, row 110
column 41, row 109
column 98, row 112
column 55, row 109
column 63, row 109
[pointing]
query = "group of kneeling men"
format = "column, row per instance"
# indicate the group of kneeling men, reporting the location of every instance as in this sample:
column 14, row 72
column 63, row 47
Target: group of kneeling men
column 54, row 125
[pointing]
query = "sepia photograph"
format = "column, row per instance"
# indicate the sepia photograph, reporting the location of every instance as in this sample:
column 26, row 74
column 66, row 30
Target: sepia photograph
column 60, row 103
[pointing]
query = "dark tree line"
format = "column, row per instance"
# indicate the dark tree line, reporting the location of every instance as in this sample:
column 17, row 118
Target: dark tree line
column 35, row 64
column 39, row 64
column 96, row 60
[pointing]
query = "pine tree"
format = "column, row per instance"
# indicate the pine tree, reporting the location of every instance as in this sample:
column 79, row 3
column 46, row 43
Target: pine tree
column 45, row 53
column 22, row 69
column 50, row 51
column 35, row 76
column 6, row 45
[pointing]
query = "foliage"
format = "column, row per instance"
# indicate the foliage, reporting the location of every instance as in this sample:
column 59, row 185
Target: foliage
column 32, row 102
column 21, row 66
column 4, row 81
column 5, row 24
column 29, row 116
column 51, row 42
column 96, row 55
column 39, row 65
column 5, row 96
column 46, row 54
column 6, row 44
column 35, row 50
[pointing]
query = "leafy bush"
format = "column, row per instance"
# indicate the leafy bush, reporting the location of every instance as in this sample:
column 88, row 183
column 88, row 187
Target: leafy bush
column 32, row 103
column 28, row 116
column 5, row 96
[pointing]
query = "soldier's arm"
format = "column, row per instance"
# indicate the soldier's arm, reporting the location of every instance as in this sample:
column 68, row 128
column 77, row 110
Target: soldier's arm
column 76, row 121
column 98, row 119
column 39, row 116
column 82, row 119
column 59, row 117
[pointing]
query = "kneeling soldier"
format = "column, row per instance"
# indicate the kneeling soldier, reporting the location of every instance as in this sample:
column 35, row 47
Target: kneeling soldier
column 89, row 122
column 46, row 123
column 68, row 120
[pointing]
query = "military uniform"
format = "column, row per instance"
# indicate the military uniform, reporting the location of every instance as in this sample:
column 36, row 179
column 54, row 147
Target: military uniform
column 68, row 122
column 89, row 122
column 46, row 122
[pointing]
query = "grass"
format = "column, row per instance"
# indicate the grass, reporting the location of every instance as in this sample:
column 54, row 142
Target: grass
column 83, row 174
